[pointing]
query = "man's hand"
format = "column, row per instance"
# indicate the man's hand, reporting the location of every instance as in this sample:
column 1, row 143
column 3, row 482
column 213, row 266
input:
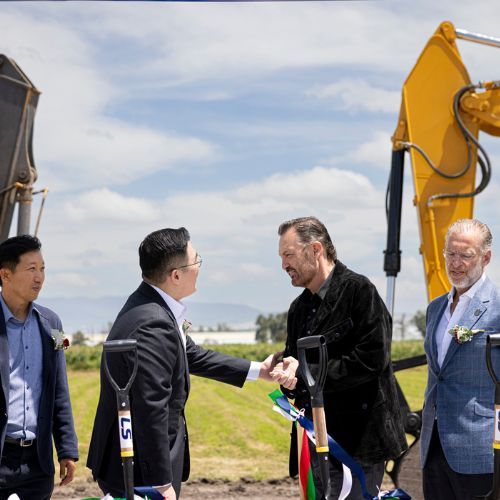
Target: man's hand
column 67, row 467
column 168, row 492
column 284, row 372
column 267, row 366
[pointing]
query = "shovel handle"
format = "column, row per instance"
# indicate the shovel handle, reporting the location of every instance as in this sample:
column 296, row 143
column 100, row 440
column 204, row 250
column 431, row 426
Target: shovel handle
column 113, row 346
column 492, row 340
column 315, row 387
column 120, row 345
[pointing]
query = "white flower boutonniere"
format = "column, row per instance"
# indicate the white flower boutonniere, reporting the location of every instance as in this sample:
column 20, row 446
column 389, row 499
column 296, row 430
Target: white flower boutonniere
column 463, row 334
column 186, row 326
column 60, row 340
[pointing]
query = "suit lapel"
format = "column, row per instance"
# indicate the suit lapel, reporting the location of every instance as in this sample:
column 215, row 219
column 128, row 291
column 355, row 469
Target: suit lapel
column 4, row 359
column 150, row 292
column 475, row 310
column 435, row 320
column 47, row 348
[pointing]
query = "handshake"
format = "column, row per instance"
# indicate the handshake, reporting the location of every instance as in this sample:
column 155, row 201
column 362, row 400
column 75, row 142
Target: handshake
column 275, row 368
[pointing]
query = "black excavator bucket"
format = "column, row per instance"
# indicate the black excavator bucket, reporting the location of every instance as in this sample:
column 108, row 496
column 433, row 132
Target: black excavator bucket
column 18, row 101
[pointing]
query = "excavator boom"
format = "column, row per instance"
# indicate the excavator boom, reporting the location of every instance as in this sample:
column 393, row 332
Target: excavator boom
column 18, row 101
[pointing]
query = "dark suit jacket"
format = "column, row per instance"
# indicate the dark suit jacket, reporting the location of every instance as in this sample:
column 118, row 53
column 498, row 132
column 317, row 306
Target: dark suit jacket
column 361, row 405
column 55, row 419
column 158, row 394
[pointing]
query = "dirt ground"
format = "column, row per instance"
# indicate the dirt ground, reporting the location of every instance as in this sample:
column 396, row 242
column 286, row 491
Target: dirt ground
column 273, row 489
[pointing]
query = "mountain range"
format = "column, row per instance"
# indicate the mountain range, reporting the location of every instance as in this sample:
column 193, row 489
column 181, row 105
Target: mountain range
column 95, row 315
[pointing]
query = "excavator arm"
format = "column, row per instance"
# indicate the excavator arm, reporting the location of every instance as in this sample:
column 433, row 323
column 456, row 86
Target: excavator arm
column 441, row 115
column 18, row 101
column 440, row 118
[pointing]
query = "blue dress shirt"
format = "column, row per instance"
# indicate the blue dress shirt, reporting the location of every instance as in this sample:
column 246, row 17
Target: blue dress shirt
column 25, row 363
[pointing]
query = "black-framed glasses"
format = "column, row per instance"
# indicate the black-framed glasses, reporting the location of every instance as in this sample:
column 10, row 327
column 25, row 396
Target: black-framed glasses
column 197, row 263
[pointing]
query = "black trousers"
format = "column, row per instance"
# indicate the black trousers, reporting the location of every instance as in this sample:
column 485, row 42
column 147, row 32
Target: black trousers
column 441, row 482
column 20, row 473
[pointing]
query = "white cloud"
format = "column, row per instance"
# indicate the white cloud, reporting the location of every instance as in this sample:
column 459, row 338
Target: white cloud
column 77, row 145
column 67, row 279
column 234, row 230
column 358, row 95
column 375, row 151
column 103, row 204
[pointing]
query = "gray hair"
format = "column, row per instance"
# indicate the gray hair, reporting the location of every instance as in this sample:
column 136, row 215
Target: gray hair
column 310, row 229
column 472, row 225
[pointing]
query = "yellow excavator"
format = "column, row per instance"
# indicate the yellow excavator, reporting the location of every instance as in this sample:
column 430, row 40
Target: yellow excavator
column 441, row 115
column 18, row 102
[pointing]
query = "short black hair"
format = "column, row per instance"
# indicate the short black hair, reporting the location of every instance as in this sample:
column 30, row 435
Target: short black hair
column 12, row 248
column 161, row 251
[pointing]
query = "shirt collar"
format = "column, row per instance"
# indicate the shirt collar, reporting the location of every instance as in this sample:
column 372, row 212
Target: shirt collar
column 471, row 291
column 178, row 308
column 7, row 313
column 325, row 286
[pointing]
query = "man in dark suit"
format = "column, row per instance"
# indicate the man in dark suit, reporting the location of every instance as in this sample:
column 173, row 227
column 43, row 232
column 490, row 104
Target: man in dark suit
column 458, row 418
column 34, row 397
column 154, row 316
column 361, row 406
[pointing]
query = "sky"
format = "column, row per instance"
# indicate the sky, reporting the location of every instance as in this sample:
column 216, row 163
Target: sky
column 227, row 118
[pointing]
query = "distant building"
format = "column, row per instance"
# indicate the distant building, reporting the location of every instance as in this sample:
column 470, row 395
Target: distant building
column 223, row 337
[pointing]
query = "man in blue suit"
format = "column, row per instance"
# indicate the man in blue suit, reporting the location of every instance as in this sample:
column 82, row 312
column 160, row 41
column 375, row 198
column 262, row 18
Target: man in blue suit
column 34, row 397
column 458, row 416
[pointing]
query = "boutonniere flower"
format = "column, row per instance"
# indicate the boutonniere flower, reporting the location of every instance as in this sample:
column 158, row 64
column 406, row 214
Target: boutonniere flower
column 186, row 326
column 463, row 334
column 60, row 340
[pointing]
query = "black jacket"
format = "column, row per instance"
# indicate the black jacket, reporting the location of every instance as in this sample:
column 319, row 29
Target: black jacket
column 55, row 418
column 158, row 394
column 361, row 404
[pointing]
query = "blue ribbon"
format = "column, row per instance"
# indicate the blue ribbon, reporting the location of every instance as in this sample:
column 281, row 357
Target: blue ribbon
column 148, row 492
column 398, row 493
column 339, row 453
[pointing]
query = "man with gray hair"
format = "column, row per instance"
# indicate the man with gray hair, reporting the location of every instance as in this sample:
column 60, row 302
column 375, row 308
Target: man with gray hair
column 361, row 407
column 458, row 416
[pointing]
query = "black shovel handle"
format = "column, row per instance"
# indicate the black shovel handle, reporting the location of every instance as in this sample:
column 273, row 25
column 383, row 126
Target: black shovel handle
column 124, row 413
column 493, row 340
column 120, row 346
column 315, row 387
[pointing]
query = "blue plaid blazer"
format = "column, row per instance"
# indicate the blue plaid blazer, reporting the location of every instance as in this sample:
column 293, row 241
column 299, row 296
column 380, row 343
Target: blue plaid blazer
column 460, row 395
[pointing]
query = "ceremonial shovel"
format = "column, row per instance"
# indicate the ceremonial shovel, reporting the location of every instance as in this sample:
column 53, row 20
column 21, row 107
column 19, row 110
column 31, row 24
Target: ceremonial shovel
column 124, row 417
column 494, row 340
column 318, row 410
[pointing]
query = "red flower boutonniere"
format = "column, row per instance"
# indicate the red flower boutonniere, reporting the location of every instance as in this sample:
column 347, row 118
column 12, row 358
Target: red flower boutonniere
column 60, row 340
column 462, row 334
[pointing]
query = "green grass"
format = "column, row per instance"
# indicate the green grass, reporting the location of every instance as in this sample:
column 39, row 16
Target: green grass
column 413, row 383
column 233, row 432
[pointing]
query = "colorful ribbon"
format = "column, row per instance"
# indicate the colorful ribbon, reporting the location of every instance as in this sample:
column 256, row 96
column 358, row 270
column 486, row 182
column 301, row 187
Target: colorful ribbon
column 292, row 413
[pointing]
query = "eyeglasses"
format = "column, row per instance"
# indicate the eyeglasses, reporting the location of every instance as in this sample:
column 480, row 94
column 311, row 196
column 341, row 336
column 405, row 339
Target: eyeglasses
column 197, row 263
column 464, row 257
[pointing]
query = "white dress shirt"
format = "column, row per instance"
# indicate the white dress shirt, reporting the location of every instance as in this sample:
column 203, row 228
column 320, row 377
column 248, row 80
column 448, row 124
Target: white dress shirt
column 449, row 320
column 179, row 310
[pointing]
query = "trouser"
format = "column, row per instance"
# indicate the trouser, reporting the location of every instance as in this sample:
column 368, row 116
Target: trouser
column 107, row 488
column 441, row 482
column 20, row 473
column 374, row 474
